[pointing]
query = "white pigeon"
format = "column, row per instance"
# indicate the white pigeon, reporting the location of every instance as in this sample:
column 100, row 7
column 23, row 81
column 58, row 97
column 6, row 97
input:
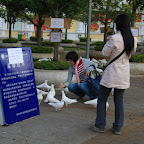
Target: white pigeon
column 94, row 60
column 107, row 105
column 67, row 100
column 39, row 96
column 43, row 59
column 92, row 102
column 103, row 62
column 51, row 94
column 51, row 99
column 43, row 92
column 44, row 86
column 100, row 71
column 112, row 92
column 57, row 105
column 66, row 90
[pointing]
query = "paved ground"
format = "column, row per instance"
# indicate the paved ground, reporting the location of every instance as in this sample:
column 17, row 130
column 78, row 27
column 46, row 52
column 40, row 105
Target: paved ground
column 71, row 125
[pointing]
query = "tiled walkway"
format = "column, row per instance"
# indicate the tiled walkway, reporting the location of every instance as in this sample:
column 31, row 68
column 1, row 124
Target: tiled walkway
column 71, row 125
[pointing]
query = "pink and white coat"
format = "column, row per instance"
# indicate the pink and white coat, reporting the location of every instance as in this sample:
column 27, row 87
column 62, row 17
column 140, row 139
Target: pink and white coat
column 117, row 74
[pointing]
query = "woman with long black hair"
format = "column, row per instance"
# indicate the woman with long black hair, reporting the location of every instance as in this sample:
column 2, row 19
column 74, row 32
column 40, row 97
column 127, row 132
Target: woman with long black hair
column 116, row 75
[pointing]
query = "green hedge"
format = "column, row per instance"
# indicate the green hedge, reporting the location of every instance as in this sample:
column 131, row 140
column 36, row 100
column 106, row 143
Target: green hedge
column 67, row 41
column 51, row 65
column 41, row 49
column 10, row 40
column 83, row 39
column 99, row 45
column 44, row 43
column 33, row 38
column 29, row 43
column 47, row 43
column 138, row 58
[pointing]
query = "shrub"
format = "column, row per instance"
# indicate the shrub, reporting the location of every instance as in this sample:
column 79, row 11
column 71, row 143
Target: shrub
column 47, row 43
column 99, row 48
column 33, row 38
column 51, row 65
column 10, row 40
column 139, row 58
column 99, row 45
column 41, row 49
column 29, row 43
column 83, row 39
column 67, row 41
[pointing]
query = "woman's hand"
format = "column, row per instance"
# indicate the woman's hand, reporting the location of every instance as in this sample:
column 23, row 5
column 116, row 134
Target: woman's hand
column 87, row 73
column 61, row 86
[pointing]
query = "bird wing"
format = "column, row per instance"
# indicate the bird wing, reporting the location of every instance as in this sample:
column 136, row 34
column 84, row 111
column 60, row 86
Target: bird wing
column 57, row 105
column 52, row 99
column 69, row 101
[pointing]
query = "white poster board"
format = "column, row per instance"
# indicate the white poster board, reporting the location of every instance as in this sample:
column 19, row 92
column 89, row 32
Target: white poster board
column 55, row 37
column 15, row 55
column 135, row 31
column 57, row 23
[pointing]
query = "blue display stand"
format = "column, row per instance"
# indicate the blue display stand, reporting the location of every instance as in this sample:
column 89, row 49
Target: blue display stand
column 18, row 95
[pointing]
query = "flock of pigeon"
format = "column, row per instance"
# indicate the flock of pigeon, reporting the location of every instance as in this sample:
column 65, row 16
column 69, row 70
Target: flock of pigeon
column 49, row 92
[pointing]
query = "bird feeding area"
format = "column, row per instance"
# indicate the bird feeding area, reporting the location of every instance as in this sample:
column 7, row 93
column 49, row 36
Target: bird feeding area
column 18, row 95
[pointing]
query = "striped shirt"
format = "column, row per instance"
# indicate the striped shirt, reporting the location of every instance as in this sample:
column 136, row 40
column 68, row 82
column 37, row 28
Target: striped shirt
column 80, row 69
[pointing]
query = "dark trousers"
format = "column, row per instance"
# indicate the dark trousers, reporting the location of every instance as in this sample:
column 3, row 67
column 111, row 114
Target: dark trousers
column 101, row 108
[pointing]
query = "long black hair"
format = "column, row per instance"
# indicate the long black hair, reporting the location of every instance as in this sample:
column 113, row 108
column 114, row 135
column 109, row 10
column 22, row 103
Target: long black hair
column 123, row 25
column 72, row 55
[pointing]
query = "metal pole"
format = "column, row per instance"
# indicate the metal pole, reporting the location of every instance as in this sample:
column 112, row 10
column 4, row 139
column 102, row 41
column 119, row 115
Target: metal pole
column 88, row 30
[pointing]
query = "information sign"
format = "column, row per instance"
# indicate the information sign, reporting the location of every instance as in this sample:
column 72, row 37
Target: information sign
column 135, row 31
column 55, row 37
column 57, row 23
column 18, row 95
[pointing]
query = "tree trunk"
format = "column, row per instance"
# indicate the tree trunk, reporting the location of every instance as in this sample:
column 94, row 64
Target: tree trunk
column 56, row 51
column 10, row 24
column 39, row 35
column 56, row 44
column 66, row 34
column 106, row 20
column 133, row 13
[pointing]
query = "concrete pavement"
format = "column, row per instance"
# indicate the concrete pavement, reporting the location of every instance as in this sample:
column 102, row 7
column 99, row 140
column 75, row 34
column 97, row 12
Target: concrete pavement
column 71, row 125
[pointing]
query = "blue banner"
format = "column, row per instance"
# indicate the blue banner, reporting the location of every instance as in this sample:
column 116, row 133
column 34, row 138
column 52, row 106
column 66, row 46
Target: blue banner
column 18, row 87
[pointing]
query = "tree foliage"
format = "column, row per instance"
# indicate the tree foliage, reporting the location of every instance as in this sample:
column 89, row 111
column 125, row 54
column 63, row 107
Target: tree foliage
column 109, row 9
column 9, row 15
column 137, row 5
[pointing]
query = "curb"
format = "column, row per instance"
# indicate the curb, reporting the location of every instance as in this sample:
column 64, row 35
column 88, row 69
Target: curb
column 57, row 77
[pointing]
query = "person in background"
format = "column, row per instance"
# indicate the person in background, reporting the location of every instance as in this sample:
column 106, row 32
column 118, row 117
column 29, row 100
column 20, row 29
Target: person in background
column 81, row 68
column 116, row 75
column 109, row 35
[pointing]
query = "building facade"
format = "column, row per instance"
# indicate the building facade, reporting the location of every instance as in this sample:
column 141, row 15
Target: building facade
column 76, row 30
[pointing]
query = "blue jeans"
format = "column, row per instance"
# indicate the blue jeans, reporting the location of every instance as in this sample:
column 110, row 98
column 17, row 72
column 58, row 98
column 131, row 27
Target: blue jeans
column 101, row 108
column 81, row 90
